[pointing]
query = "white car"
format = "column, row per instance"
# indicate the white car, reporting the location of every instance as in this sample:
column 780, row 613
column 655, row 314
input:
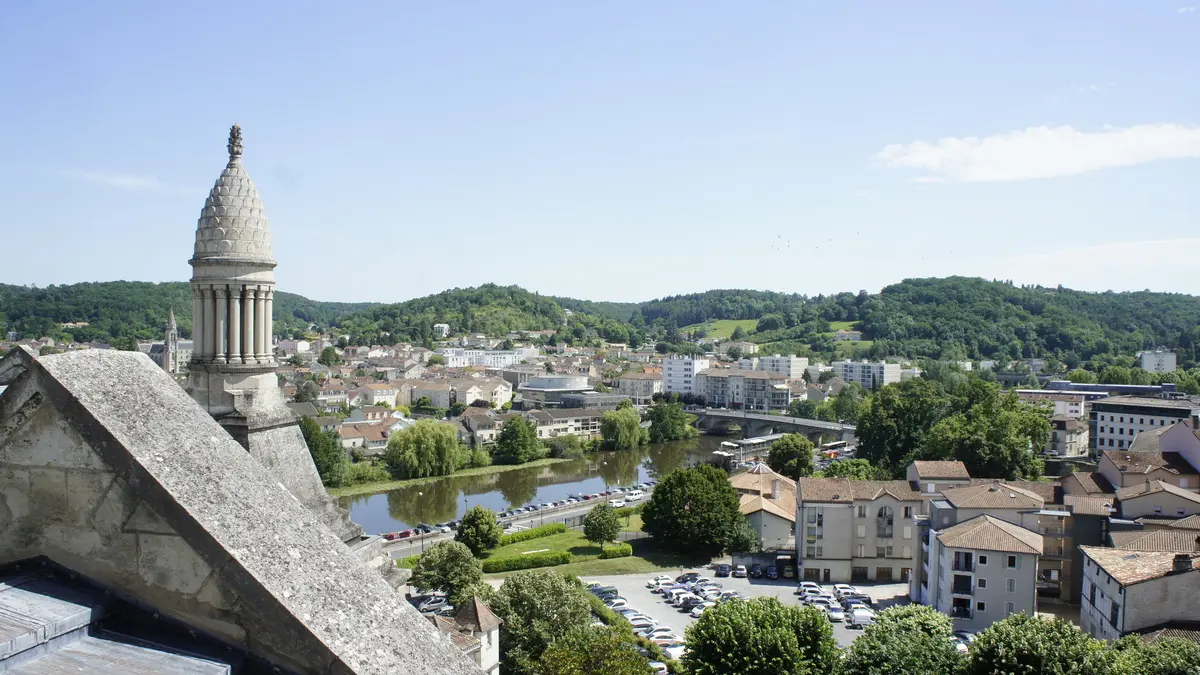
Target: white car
column 617, row 503
column 684, row 596
column 659, row 633
column 616, row 603
column 835, row 614
column 700, row 609
column 811, row 584
column 675, row 651
column 844, row 589
column 641, row 622
column 659, row 580
column 659, row 667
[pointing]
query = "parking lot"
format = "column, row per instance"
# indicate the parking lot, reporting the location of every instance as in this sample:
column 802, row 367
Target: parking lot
column 633, row 589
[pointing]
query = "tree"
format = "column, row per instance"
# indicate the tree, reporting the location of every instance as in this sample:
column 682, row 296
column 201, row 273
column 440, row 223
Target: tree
column 479, row 530
column 1168, row 656
column 594, row 650
column 625, row 404
column 738, row 333
column 537, row 607
column 448, row 567
column 995, row 438
column 743, row 538
column 734, row 352
column 423, row 402
column 848, row 403
column 905, row 639
column 760, row 637
column 692, row 509
column 517, row 443
column 327, row 454
column 1026, row 644
column 601, row 525
column 792, row 456
column 329, row 356
column 855, row 469
column 669, row 422
column 435, row 360
column 621, row 429
column 803, row 408
column 457, row 408
column 427, row 448
column 891, row 429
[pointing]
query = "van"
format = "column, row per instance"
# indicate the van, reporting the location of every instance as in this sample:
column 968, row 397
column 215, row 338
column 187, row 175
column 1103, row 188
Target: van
column 634, row 495
column 617, row 503
column 860, row 618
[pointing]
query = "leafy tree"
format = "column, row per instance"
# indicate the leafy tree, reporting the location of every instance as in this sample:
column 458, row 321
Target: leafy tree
column 329, row 356
column 891, row 430
column 457, row 408
column 448, row 566
column 743, row 538
column 479, row 530
column 760, row 637
column 435, row 360
column 1025, row 644
column 738, row 333
column 517, row 443
column 792, row 456
column 625, row 404
column 803, row 408
column 538, row 608
column 594, row 650
column 423, row 402
column 669, row 422
column 847, row 404
column 905, row 639
column 621, row 429
column 856, row 469
column 995, row 438
column 332, row 462
column 734, row 353
column 601, row 525
column 692, row 509
column 1169, row 656
column 566, row 446
column 427, row 448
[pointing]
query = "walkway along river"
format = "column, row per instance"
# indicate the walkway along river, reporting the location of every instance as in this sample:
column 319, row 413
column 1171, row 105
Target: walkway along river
column 450, row 497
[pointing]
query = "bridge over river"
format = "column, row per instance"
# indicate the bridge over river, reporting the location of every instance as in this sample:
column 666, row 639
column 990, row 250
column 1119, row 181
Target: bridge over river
column 762, row 424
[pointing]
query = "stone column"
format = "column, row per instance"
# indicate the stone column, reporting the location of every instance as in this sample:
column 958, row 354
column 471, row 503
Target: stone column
column 197, row 325
column 260, row 324
column 269, row 318
column 222, row 321
column 248, row 325
column 210, row 305
column 235, row 324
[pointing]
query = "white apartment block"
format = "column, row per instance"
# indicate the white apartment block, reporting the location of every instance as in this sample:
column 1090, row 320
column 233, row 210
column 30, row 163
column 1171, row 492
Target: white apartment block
column 441, row 329
column 788, row 366
column 1158, row 361
column 1070, row 404
column 1126, row 591
column 747, row 389
column 486, row 358
column 640, row 387
column 1115, row 421
column 679, row 374
column 867, row 374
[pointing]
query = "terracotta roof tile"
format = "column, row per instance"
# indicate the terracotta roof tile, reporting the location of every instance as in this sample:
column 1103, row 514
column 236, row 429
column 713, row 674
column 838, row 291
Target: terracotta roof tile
column 1093, row 482
column 1155, row 487
column 1177, row 541
column 1148, row 461
column 477, row 616
column 991, row 534
column 824, row 490
column 1090, row 505
column 993, row 495
column 941, row 469
column 1132, row 567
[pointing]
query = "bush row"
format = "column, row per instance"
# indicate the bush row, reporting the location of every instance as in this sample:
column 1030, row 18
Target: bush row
column 618, row 551
column 533, row 533
column 524, row 562
column 625, row 511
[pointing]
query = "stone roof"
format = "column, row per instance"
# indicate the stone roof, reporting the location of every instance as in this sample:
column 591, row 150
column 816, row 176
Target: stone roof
column 1134, row 567
column 993, row 495
column 986, row 533
column 1155, row 487
column 1178, row 541
column 844, row 490
column 756, row 489
column 567, row 413
column 1089, row 505
column 824, row 490
column 477, row 616
column 1189, row 523
column 1093, row 482
column 233, row 223
column 304, row 409
column 1149, row 461
column 874, row 489
column 287, row 570
column 1182, row 630
column 464, row 641
column 934, row 469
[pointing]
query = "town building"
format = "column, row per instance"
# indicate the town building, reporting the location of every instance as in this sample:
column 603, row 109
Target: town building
column 1131, row 591
column 173, row 354
column 848, row 336
column 441, row 330
column 679, row 373
column 788, row 366
column 486, row 358
column 1159, row 499
column 592, row 399
column 440, row 393
column 1124, row 469
column 546, row 391
column 1157, row 361
column 1113, row 422
column 768, row 501
column 868, row 375
column 640, row 387
column 744, row 389
column 1068, row 437
column 741, row 346
column 1069, row 404
column 931, row 477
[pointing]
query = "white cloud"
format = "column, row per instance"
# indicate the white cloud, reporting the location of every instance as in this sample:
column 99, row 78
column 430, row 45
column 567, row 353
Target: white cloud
column 1041, row 152
column 124, row 181
column 1186, row 10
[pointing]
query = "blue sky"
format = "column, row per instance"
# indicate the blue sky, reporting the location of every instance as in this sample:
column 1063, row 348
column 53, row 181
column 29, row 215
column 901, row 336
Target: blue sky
column 611, row 151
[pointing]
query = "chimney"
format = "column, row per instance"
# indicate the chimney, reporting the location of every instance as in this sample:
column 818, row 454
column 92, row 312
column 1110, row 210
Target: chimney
column 775, row 489
column 1183, row 563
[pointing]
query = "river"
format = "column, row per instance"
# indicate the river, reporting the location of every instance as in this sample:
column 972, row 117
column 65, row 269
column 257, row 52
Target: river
column 450, row 497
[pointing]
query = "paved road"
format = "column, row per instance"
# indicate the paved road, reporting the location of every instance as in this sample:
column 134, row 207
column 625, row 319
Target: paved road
column 633, row 589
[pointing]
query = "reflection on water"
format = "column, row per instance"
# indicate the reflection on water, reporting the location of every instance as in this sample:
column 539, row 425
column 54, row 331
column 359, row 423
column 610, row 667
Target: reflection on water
column 448, row 498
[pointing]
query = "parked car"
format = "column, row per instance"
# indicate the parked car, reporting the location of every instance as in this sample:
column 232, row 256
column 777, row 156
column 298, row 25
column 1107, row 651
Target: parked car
column 634, row 495
column 808, row 584
column 841, row 590
column 740, row 571
column 687, row 577
column 688, row 603
column 641, row 622
column 674, row 650
column 617, row 503
column 656, row 632
column 433, row 604
column 967, row 636
column 849, row 604
column 861, row 597
column 603, row 589
column 772, row 572
column 685, row 598
column 860, row 618
column 835, row 613
column 659, row 667
column 658, row 580
column 756, row 571
column 723, row 570
column 702, row 608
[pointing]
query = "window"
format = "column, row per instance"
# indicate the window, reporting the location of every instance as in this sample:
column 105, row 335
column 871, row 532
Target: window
column 1114, row 610
column 819, row 553
column 880, row 552
column 862, row 512
column 908, row 513
column 1157, row 510
column 983, row 560
column 862, row 551
column 1009, row 608
column 810, row 552
column 981, row 606
column 1010, row 585
column 983, row 583
column 1092, row 594
column 906, row 552
column 1011, row 562
column 908, row 531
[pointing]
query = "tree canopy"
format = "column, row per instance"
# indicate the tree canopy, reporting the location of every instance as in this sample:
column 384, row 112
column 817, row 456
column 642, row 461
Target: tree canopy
column 538, row 608
column 518, row 443
column 448, row 566
column 427, row 448
column 621, row 429
column 760, row 637
column 1024, row 644
column 669, row 422
column 693, row 509
column 904, row 639
column 332, row 462
column 792, row 456
column 856, row 469
column 601, row 525
column 479, row 529
column 594, row 650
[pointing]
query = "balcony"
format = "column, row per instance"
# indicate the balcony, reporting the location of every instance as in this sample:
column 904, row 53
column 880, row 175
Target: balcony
column 963, row 585
column 960, row 565
column 958, row 612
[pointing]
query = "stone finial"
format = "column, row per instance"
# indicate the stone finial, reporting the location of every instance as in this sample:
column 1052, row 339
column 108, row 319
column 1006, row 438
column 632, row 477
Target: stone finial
column 235, row 142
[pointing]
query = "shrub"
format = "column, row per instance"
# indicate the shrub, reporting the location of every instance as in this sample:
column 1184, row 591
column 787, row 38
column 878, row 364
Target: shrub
column 368, row 472
column 533, row 533
column 626, row 511
column 524, row 562
column 618, row 551
column 409, row 562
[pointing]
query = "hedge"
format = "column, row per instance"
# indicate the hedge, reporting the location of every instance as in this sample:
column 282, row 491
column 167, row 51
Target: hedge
column 618, row 551
column 524, row 562
column 626, row 511
column 533, row 533
column 410, row 562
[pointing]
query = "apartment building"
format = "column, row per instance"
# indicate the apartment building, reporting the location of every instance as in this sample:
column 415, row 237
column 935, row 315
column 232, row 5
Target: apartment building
column 982, row 570
column 768, row 501
column 640, row 387
column 788, row 366
column 931, row 477
column 1131, row 591
column 441, row 329
column 1070, row 404
column 1158, row 499
column 679, row 373
column 486, row 358
column 1133, row 469
column 1068, row 437
column 1157, row 361
column 866, row 374
column 546, row 391
column 440, row 393
column 743, row 389
column 1114, row 422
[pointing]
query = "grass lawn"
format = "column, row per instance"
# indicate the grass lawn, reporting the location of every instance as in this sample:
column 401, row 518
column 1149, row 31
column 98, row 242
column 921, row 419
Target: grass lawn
column 634, row 524
column 381, row 486
column 835, row 326
column 585, row 556
column 722, row 329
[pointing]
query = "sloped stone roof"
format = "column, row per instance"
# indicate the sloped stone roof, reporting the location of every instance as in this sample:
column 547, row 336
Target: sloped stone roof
column 1155, row 487
column 233, row 223
column 993, row 495
column 991, row 534
column 1133, row 567
column 1090, row 505
column 477, row 616
column 1178, row 541
column 944, row 469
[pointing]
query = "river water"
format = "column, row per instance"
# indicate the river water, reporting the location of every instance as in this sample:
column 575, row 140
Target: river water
column 448, row 498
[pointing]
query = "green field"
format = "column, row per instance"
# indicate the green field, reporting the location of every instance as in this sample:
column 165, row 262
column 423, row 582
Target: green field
column 722, row 329
column 585, row 556
column 835, row 326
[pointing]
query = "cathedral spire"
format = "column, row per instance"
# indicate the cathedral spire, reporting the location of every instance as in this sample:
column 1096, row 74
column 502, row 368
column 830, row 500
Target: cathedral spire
column 171, row 319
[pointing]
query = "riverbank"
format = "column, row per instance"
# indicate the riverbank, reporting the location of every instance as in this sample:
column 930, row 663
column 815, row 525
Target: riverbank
column 385, row 485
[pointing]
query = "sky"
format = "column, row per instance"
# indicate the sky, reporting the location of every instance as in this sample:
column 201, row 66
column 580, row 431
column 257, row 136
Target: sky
column 610, row 151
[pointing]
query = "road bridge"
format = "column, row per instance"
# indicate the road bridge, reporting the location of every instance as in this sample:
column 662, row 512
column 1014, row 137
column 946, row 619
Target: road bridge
column 761, row 424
